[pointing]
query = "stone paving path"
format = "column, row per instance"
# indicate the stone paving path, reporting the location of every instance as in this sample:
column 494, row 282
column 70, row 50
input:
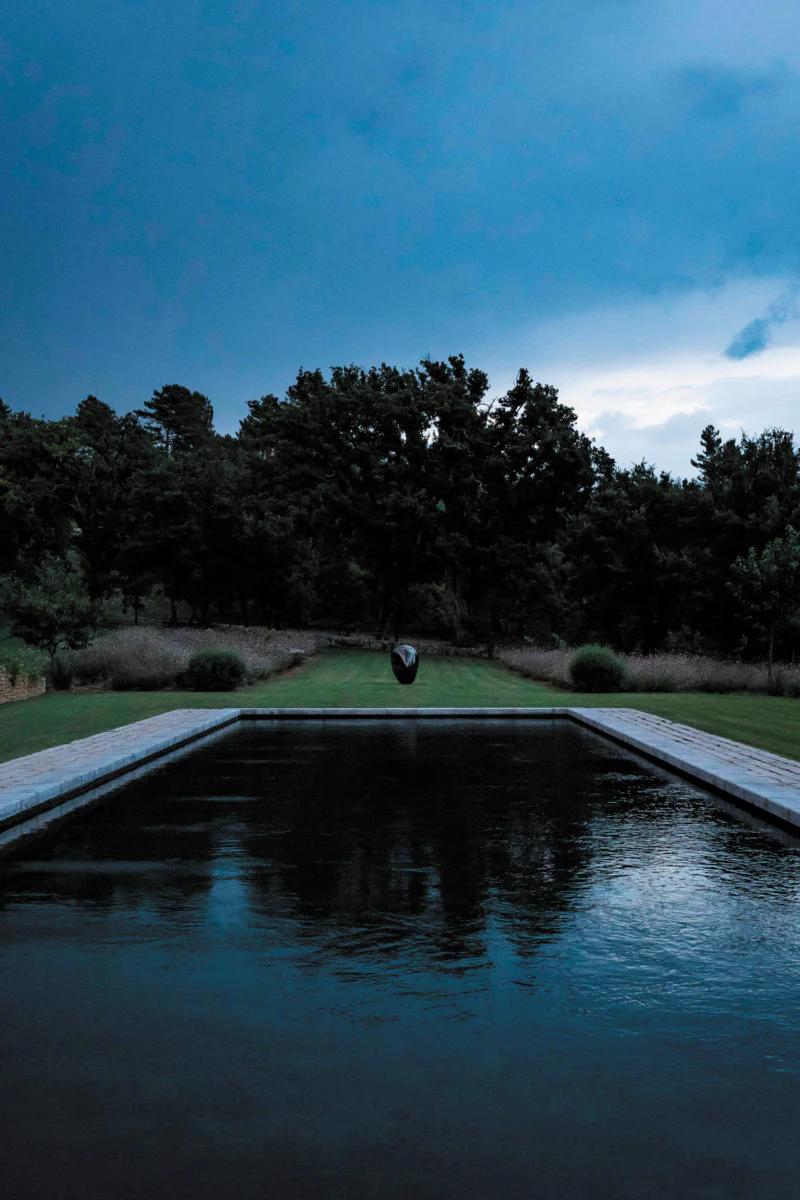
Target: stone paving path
column 767, row 781
column 38, row 781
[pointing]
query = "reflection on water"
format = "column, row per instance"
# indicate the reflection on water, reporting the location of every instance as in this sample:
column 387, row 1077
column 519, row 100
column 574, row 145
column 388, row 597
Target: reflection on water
column 425, row 960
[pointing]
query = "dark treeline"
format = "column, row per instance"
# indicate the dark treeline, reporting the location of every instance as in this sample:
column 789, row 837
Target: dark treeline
column 395, row 499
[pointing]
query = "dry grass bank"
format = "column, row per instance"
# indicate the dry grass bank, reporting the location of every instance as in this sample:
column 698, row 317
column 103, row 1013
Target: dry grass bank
column 153, row 659
column 661, row 672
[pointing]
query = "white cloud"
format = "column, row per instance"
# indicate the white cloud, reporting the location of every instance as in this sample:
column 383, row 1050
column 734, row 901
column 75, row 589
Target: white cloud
column 645, row 377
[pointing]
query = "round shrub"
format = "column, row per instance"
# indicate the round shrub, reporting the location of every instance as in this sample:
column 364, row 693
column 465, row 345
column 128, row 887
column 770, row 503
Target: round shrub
column 597, row 669
column 216, row 671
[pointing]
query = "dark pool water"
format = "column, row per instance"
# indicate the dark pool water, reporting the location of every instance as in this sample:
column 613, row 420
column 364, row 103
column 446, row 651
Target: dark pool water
column 405, row 960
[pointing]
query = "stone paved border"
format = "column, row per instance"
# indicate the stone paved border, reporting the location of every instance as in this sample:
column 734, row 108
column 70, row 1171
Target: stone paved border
column 40, row 781
column 763, row 780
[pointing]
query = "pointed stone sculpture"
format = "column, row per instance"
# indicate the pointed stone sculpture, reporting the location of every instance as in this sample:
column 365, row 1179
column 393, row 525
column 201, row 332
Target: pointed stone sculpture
column 405, row 663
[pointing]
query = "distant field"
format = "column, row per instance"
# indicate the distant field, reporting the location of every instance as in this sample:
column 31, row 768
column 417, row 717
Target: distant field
column 362, row 678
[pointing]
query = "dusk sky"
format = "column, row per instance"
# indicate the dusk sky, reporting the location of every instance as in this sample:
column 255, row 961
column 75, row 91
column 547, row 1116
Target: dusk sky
column 214, row 194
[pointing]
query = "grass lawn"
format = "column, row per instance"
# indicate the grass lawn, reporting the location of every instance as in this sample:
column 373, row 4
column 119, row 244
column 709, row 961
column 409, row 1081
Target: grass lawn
column 363, row 679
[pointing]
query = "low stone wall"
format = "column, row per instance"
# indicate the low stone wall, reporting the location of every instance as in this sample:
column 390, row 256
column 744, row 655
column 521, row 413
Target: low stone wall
column 22, row 689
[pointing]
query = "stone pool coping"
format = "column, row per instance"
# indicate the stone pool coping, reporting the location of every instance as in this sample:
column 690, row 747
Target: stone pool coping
column 38, row 782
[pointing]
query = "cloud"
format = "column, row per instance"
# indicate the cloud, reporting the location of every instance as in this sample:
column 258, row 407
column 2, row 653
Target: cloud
column 756, row 335
column 734, row 404
column 369, row 181
column 646, row 376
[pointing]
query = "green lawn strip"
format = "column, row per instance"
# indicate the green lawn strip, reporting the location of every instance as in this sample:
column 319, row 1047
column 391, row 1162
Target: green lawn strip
column 363, row 679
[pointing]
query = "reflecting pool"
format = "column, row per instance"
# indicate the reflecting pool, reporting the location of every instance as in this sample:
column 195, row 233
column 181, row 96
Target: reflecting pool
column 412, row 959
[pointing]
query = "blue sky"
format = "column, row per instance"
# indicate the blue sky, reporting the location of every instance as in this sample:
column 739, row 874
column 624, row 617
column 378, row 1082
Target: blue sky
column 215, row 193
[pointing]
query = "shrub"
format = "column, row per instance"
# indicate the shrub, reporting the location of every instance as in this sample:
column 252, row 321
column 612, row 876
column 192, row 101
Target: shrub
column 789, row 682
column 597, row 669
column 141, row 677
column 537, row 662
column 53, row 611
column 61, row 673
column 656, row 672
column 145, row 658
column 130, row 660
column 216, row 671
column 661, row 672
column 21, row 662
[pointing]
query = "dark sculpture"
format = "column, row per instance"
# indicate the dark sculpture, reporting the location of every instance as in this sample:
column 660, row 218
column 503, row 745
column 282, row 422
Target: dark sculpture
column 405, row 663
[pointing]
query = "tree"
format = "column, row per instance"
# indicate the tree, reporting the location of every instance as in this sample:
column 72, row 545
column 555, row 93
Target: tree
column 748, row 494
column 631, row 559
column 341, row 464
column 35, row 516
column 110, row 456
column 160, row 548
column 178, row 418
column 405, row 499
column 51, row 611
column 537, row 476
column 768, row 585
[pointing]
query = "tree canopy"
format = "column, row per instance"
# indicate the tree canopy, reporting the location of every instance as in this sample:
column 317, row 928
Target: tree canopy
column 407, row 499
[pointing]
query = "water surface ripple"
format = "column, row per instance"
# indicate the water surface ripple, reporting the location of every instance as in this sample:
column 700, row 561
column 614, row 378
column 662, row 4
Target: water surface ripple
column 431, row 959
